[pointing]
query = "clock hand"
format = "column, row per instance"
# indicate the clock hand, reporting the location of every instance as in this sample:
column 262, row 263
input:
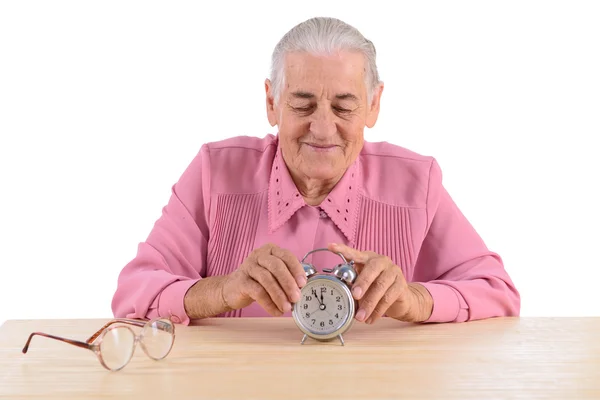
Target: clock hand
column 314, row 311
column 316, row 296
column 328, row 312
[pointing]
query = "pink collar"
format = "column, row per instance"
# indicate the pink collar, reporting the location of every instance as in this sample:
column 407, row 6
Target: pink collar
column 341, row 205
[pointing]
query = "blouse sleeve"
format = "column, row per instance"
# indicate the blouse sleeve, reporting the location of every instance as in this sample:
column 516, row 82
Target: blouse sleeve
column 173, row 257
column 465, row 279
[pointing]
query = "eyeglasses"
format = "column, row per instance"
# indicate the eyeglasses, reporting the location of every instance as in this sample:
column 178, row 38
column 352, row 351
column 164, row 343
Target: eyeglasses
column 114, row 344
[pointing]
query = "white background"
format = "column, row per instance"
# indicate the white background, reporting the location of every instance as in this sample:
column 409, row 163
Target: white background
column 103, row 105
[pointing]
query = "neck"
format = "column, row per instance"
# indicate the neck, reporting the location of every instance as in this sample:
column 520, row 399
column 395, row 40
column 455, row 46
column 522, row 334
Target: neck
column 314, row 191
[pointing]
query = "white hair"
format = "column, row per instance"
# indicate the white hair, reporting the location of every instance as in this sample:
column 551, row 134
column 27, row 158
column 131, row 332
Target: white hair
column 323, row 36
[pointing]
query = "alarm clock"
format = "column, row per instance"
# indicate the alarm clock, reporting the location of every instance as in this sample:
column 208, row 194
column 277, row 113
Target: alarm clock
column 326, row 307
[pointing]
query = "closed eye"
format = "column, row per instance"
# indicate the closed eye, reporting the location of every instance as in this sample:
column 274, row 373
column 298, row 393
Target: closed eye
column 342, row 110
column 310, row 108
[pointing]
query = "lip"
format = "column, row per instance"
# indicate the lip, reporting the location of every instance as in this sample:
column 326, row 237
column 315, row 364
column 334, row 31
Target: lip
column 323, row 148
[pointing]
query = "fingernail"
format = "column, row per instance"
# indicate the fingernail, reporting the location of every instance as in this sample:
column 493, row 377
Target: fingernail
column 357, row 291
column 360, row 315
column 287, row 307
column 296, row 296
column 301, row 280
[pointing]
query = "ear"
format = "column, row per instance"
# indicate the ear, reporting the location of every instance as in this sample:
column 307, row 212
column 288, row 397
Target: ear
column 373, row 112
column 270, row 99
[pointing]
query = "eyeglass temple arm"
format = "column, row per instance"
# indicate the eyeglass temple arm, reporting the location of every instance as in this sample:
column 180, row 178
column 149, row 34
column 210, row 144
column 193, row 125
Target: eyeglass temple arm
column 70, row 341
column 115, row 321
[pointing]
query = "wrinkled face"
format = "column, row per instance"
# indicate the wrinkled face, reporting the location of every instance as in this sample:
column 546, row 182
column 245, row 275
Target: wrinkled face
column 321, row 113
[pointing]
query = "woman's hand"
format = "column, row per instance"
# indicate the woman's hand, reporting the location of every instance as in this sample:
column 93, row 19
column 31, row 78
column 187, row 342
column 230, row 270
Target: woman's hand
column 381, row 288
column 270, row 276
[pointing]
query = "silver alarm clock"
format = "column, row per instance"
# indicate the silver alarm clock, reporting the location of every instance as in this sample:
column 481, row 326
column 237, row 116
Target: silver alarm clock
column 326, row 307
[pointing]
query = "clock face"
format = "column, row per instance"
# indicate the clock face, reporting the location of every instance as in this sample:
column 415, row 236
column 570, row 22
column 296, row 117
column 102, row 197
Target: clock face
column 325, row 306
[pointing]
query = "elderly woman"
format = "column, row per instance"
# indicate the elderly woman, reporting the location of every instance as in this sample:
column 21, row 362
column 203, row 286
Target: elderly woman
column 247, row 209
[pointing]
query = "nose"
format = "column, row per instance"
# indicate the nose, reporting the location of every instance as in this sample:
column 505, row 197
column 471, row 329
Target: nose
column 323, row 124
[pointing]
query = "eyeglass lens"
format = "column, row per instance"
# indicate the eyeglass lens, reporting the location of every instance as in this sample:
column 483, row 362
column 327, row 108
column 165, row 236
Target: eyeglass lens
column 157, row 339
column 116, row 347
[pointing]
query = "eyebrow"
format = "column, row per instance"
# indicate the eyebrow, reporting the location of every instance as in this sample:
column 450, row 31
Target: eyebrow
column 346, row 96
column 307, row 95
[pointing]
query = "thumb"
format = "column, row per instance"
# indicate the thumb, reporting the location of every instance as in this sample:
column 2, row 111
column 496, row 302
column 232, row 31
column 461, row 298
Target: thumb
column 349, row 253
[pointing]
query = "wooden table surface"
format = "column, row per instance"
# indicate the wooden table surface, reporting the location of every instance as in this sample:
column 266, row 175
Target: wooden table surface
column 549, row 358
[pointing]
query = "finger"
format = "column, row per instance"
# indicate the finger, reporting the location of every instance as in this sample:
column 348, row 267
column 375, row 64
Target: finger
column 282, row 274
column 349, row 253
column 375, row 293
column 269, row 283
column 367, row 276
column 260, row 295
column 292, row 263
column 388, row 298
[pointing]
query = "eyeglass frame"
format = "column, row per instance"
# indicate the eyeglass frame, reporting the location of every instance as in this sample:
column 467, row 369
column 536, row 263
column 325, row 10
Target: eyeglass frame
column 91, row 344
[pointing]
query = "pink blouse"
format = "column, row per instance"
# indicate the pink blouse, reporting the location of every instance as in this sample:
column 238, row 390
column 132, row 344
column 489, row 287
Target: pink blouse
column 237, row 195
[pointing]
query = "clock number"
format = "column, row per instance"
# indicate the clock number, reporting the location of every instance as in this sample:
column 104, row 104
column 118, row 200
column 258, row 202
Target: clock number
column 322, row 324
column 330, row 322
column 339, row 306
column 338, row 298
column 332, row 292
column 323, row 290
column 313, row 321
column 307, row 315
column 308, row 298
column 305, row 306
column 337, row 315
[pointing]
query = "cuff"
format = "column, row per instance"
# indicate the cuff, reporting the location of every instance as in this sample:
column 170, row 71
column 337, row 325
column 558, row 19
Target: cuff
column 448, row 303
column 170, row 303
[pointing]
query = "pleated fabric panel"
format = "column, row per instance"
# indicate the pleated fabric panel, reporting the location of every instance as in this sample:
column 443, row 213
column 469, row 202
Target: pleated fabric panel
column 385, row 229
column 232, row 237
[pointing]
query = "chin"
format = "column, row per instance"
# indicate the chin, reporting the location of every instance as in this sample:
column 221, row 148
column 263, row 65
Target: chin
column 321, row 173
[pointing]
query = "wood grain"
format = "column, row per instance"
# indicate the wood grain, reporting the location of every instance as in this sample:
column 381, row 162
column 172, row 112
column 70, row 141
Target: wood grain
column 255, row 358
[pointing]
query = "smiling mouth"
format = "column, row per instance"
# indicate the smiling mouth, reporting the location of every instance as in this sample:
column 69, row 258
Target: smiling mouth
column 320, row 147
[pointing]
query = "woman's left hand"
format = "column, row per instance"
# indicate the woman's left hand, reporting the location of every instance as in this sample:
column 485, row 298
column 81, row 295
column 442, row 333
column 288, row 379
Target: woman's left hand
column 381, row 288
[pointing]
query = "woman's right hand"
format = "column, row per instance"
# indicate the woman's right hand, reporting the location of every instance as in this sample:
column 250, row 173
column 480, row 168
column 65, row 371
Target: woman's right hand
column 271, row 276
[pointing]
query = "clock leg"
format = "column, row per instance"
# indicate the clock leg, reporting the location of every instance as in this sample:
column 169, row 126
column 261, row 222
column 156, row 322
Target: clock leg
column 341, row 339
column 303, row 339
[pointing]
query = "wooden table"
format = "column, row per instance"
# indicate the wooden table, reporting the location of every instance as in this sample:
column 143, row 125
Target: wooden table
column 255, row 358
